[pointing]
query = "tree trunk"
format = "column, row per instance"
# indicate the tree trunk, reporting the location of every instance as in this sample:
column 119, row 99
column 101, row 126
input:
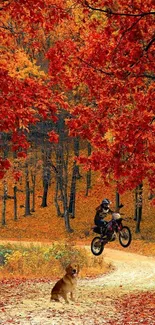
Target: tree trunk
column 65, row 204
column 59, row 179
column 33, row 178
column 139, row 218
column 27, row 197
column 62, row 156
column 5, row 149
column 136, row 200
column 4, row 204
column 15, row 202
column 76, row 152
column 46, row 174
column 56, row 198
column 88, row 176
column 33, row 193
column 139, row 207
column 44, row 199
column 75, row 176
column 65, row 186
column 73, row 191
column 67, row 223
column 117, row 200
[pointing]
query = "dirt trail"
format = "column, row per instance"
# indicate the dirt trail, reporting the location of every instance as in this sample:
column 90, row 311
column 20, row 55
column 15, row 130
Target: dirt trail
column 28, row 303
column 131, row 271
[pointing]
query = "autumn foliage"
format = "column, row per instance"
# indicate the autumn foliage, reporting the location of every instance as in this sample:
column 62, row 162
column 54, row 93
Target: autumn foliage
column 100, row 54
column 92, row 63
column 115, row 63
column 47, row 260
column 26, row 96
column 93, row 60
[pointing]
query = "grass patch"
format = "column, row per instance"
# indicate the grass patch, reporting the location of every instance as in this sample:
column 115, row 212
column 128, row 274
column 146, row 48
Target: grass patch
column 50, row 261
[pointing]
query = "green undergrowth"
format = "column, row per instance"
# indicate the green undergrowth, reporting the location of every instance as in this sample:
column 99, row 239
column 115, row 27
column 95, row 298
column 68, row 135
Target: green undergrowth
column 35, row 260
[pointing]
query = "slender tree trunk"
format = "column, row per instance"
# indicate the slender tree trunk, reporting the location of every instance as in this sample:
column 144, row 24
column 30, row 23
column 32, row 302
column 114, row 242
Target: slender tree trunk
column 5, row 149
column 4, row 203
column 27, row 197
column 117, row 200
column 56, row 198
column 46, row 175
column 136, row 200
column 73, row 191
column 62, row 156
column 15, row 202
column 33, row 178
column 139, row 217
column 75, row 176
column 65, row 187
column 65, row 199
column 67, row 222
column 33, row 193
column 76, row 152
column 59, row 177
column 139, row 207
column 88, row 175
column 44, row 199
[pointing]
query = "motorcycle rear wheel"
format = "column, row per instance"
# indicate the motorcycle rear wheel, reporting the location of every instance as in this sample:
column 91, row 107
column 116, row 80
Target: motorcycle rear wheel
column 97, row 246
column 125, row 236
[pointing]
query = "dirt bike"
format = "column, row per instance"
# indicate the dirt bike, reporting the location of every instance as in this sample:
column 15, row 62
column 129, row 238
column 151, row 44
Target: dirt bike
column 109, row 233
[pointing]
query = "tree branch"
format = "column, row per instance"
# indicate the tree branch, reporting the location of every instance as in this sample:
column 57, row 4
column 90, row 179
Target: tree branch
column 110, row 12
column 96, row 69
column 149, row 44
column 149, row 76
column 125, row 31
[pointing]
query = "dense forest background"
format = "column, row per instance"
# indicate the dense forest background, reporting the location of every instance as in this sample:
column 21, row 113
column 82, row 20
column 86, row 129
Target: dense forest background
column 54, row 198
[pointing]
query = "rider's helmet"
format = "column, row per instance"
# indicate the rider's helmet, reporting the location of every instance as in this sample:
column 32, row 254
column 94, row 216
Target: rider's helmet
column 105, row 205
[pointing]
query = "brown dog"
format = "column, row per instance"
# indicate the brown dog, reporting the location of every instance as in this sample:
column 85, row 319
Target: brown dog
column 67, row 284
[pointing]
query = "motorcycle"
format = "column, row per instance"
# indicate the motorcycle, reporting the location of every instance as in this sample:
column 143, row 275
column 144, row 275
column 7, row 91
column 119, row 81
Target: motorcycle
column 109, row 233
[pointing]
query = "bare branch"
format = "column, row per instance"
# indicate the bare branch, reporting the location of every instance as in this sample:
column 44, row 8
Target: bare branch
column 109, row 12
column 125, row 31
column 96, row 69
column 149, row 76
column 149, row 44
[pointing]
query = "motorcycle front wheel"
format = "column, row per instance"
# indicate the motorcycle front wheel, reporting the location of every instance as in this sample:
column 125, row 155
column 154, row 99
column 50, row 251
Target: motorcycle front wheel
column 125, row 236
column 97, row 246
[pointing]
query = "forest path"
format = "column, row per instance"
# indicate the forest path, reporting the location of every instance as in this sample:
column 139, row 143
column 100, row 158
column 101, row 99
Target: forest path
column 131, row 271
column 124, row 296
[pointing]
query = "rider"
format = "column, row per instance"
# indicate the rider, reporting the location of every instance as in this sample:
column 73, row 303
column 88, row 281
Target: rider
column 101, row 212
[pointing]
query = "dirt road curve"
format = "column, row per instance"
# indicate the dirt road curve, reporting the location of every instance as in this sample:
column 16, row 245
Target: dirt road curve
column 97, row 299
column 131, row 271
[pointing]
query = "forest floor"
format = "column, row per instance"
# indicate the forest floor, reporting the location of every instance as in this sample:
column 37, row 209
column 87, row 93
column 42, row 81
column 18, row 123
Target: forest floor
column 124, row 296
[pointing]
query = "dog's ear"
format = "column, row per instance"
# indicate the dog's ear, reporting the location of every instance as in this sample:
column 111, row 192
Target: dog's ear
column 68, row 268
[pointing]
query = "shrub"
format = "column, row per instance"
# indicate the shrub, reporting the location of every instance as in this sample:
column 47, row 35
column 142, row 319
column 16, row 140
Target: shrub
column 49, row 261
column 3, row 253
column 66, row 254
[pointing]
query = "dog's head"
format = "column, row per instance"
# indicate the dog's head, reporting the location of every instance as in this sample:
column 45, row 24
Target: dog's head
column 72, row 270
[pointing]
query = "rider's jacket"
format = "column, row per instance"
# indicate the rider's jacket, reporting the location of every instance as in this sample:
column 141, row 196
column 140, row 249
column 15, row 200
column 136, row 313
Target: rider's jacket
column 100, row 215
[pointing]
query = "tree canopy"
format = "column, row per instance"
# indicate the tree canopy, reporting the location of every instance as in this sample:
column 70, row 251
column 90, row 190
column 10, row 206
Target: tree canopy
column 96, row 60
